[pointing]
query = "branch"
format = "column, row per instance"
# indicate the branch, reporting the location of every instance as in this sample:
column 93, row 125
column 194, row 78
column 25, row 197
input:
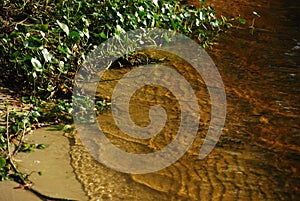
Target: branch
column 7, row 131
column 21, row 139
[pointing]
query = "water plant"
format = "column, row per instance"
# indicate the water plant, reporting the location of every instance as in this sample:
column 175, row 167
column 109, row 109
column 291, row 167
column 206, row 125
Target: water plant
column 252, row 26
column 42, row 44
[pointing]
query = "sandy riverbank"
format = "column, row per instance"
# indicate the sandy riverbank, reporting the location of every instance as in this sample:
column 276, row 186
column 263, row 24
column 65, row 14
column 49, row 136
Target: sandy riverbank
column 58, row 178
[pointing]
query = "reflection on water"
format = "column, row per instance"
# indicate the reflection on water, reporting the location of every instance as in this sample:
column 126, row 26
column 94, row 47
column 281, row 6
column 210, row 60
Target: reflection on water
column 258, row 154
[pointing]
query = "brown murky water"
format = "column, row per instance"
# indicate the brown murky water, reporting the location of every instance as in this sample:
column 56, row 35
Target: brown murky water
column 258, row 154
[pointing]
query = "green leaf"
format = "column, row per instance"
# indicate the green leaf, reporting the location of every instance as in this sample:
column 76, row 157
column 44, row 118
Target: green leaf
column 103, row 35
column 86, row 22
column 86, row 32
column 36, row 65
column 36, row 114
column 65, row 50
column 34, row 74
column 62, row 50
column 242, row 20
column 16, row 54
column 63, row 26
column 33, row 42
column 2, row 162
column 50, row 88
column 256, row 14
column 75, row 36
column 41, row 146
column 27, row 58
column 2, row 130
column 119, row 30
column 47, row 56
column 44, row 27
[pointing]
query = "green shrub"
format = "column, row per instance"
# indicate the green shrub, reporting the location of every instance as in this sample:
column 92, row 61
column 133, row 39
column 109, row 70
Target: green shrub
column 43, row 43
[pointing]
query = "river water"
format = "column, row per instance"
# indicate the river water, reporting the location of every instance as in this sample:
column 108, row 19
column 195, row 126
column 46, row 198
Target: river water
column 258, row 155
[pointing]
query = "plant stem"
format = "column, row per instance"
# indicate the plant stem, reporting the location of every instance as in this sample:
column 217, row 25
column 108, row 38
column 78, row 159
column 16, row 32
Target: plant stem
column 7, row 131
column 21, row 140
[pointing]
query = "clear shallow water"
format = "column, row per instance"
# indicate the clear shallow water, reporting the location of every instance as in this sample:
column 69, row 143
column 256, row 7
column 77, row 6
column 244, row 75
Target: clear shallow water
column 258, row 154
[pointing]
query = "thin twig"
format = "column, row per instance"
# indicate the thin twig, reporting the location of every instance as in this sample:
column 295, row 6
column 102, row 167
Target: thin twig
column 7, row 131
column 21, row 140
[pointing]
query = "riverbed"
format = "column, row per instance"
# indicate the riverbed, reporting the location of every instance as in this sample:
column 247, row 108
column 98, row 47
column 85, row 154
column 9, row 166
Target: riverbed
column 258, row 154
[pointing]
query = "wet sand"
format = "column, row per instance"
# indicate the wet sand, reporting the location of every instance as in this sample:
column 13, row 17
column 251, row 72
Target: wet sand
column 57, row 179
column 9, row 193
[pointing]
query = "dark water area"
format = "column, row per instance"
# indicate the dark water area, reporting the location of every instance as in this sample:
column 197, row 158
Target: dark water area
column 258, row 154
column 262, row 71
column 261, row 75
